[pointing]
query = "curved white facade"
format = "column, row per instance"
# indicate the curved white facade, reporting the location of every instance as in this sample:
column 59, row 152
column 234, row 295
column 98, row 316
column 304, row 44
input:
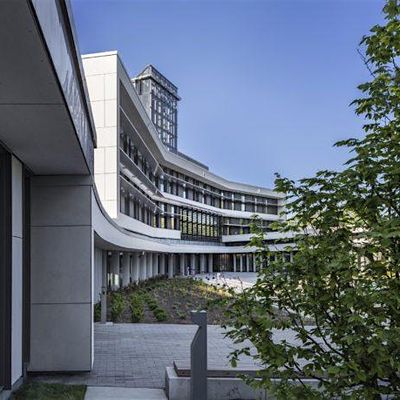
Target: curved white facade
column 160, row 195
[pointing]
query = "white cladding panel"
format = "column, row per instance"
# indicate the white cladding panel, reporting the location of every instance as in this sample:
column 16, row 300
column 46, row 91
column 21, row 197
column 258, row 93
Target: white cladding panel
column 101, row 77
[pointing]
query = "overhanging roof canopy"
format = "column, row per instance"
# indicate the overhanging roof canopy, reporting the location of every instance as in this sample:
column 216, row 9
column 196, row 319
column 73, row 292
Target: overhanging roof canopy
column 35, row 117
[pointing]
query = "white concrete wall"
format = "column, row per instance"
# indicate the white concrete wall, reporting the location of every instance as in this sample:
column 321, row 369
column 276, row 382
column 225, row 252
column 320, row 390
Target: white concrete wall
column 110, row 234
column 102, row 83
column 267, row 236
column 173, row 199
column 61, row 274
column 17, row 260
column 135, row 225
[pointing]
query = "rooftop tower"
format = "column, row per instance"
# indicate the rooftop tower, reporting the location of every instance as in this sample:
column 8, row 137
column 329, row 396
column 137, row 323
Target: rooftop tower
column 160, row 99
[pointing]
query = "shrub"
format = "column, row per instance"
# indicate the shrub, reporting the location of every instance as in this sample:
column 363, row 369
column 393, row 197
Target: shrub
column 152, row 305
column 181, row 315
column 117, row 306
column 97, row 312
column 160, row 314
column 151, row 302
column 137, row 308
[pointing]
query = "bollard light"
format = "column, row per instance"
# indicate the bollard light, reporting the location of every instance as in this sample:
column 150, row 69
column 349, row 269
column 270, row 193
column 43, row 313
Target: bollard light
column 198, row 357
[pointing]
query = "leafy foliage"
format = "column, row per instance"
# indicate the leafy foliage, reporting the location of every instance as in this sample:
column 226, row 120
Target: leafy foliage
column 159, row 313
column 117, row 306
column 345, row 273
column 176, row 296
column 97, row 312
column 137, row 307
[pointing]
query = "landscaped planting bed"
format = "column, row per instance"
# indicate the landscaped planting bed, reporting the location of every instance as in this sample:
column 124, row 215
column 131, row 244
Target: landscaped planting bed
column 49, row 391
column 165, row 300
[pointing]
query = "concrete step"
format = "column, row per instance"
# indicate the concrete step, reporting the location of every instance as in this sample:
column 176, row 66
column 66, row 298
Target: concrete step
column 123, row 393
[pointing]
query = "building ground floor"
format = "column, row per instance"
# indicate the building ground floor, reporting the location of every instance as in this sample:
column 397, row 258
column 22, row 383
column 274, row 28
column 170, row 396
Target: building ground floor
column 116, row 269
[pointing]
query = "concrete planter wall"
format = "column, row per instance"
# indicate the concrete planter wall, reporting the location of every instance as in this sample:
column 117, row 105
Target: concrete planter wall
column 178, row 388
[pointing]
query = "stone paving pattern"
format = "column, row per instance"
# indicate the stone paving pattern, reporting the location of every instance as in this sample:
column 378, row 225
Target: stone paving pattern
column 135, row 355
column 123, row 393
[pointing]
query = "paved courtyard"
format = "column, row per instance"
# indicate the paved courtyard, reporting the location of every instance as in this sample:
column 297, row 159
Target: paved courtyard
column 235, row 280
column 135, row 355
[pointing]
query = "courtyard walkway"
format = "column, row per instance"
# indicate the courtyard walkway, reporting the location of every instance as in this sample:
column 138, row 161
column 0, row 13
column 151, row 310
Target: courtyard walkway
column 135, row 355
column 123, row 393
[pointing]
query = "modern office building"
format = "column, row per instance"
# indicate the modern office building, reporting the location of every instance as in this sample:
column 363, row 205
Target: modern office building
column 93, row 194
column 163, row 195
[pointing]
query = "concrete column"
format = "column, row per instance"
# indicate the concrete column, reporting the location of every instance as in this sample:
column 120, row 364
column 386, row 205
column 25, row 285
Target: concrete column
column 140, row 211
column 155, row 264
column 182, row 264
column 254, row 262
column 135, row 267
column 234, row 262
column 192, row 264
column 122, row 203
column 125, row 269
column 171, row 266
column 247, row 262
column 143, row 268
column 210, row 264
column 202, row 263
column 131, row 207
column 241, row 262
column 150, row 265
column 114, row 269
column 130, row 267
column 61, row 257
column 162, row 264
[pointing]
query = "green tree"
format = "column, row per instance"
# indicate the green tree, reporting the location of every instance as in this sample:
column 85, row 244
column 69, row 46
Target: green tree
column 341, row 293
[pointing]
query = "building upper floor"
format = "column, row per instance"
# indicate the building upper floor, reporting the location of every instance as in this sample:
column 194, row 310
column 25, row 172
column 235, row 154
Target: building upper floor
column 140, row 179
column 159, row 97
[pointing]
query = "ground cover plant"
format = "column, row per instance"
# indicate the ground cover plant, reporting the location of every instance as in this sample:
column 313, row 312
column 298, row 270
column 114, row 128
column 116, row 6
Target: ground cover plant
column 166, row 300
column 49, row 391
column 137, row 307
column 118, row 305
column 345, row 273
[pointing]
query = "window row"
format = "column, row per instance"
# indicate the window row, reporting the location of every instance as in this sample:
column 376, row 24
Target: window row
column 180, row 185
column 194, row 225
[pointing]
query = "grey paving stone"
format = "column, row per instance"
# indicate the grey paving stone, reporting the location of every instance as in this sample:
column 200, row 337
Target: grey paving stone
column 113, row 393
column 136, row 355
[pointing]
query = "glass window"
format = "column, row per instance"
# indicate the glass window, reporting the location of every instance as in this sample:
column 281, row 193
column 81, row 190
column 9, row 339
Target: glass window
column 272, row 210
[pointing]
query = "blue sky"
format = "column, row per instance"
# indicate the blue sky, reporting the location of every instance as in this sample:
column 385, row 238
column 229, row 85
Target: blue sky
column 265, row 85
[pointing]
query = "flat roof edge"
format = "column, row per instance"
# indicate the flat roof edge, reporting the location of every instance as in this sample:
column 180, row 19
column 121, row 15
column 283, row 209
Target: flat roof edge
column 100, row 54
